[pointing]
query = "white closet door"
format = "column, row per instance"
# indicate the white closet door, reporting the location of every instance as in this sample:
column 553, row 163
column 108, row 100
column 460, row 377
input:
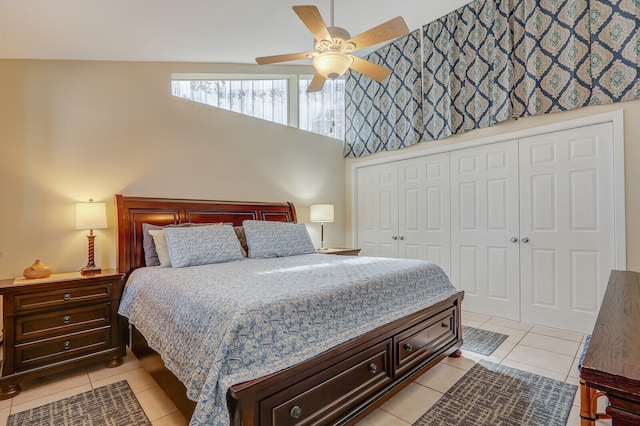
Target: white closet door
column 567, row 225
column 378, row 210
column 484, row 228
column 424, row 209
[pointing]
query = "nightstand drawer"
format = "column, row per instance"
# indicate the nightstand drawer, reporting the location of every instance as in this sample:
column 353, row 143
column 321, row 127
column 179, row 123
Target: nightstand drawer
column 39, row 326
column 48, row 351
column 62, row 297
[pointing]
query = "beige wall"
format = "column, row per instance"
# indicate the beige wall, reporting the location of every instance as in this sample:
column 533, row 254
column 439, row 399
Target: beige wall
column 631, row 149
column 74, row 130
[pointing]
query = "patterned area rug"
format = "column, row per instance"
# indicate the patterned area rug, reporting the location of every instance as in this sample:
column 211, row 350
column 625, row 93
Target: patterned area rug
column 111, row 405
column 482, row 342
column 492, row 394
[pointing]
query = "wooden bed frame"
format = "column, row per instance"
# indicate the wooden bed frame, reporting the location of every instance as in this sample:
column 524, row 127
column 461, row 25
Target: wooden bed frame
column 340, row 386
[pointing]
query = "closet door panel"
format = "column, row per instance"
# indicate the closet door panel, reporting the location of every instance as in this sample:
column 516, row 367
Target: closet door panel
column 484, row 203
column 378, row 210
column 567, row 218
column 424, row 214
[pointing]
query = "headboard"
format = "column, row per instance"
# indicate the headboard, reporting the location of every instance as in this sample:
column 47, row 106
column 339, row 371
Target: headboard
column 134, row 211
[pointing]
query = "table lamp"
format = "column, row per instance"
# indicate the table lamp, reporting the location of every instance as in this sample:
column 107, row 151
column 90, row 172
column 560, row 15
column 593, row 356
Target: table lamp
column 91, row 216
column 321, row 213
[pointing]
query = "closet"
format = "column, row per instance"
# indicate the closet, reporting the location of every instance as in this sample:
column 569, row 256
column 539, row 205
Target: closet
column 526, row 227
column 404, row 209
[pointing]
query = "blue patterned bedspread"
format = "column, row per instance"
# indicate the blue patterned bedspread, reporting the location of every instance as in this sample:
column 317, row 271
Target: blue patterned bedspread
column 221, row 324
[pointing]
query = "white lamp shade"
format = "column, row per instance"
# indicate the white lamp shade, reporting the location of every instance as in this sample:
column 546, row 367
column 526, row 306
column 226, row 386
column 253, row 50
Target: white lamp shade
column 91, row 216
column 321, row 213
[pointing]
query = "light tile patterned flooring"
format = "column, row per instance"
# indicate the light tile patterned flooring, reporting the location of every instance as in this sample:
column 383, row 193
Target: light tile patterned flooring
column 545, row 351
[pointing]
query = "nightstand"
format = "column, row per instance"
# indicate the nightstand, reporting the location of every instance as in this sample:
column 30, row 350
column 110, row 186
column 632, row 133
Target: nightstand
column 59, row 323
column 340, row 251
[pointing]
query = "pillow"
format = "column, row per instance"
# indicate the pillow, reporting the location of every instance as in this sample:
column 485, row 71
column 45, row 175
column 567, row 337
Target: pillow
column 202, row 245
column 242, row 238
column 148, row 243
column 160, row 247
column 277, row 239
column 150, row 253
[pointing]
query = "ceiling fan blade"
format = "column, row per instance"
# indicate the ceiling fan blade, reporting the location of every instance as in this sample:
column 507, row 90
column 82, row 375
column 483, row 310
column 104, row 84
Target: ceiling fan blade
column 375, row 71
column 394, row 28
column 263, row 60
column 316, row 84
column 310, row 16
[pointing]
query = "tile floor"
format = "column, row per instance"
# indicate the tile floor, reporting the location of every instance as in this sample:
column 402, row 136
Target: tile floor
column 545, row 351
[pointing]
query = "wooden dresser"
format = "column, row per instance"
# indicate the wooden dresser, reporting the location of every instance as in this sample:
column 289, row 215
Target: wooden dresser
column 612, row 361
column 59, row 323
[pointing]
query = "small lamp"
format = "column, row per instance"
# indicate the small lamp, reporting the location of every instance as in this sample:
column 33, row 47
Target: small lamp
column 91, row 216
column 321, row 213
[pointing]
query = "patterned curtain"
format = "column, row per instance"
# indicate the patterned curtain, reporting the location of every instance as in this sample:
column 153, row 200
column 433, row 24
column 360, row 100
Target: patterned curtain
column 550, row 56
column 615, row 50
column 493, row 60
column 386, row 116
column 467, row 73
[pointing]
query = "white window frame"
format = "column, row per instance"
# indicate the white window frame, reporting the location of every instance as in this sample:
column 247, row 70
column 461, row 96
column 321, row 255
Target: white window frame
column 292, row 86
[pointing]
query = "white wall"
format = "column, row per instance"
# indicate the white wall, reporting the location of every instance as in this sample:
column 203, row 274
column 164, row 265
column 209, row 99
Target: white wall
column 74, row 130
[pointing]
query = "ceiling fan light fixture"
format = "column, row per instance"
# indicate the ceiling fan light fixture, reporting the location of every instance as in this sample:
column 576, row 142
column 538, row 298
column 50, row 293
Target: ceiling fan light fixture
column 332, row 65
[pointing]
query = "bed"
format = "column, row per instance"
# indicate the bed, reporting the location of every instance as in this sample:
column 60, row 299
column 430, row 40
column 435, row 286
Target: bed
column 325, row 372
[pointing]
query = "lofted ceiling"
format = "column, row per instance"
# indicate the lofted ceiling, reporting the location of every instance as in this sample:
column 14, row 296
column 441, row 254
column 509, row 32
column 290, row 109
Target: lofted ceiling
column 232, row 31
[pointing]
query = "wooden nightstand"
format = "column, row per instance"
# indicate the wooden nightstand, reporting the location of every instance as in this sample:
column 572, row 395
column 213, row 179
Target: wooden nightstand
column 59, row 323
column 340, row 251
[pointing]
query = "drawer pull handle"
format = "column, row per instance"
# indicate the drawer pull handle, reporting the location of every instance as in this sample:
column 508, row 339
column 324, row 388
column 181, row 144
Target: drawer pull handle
column 444, row 325
column 66, row 319
column 373, row 368
column 295, row 412
column 408, row 347
column 67, row 344
column 67, row 296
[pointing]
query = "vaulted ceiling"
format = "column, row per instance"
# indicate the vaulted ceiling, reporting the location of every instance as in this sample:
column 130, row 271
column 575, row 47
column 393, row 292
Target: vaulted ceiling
column 232, row 31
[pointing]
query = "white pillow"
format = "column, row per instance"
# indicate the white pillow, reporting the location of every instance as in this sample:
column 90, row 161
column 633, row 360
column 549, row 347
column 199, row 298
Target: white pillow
column 277, row 239
column 160, row 241
column 202, row 245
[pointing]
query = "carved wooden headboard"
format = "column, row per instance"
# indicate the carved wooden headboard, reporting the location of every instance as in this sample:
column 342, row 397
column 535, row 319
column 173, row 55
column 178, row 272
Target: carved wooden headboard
column 134, row 211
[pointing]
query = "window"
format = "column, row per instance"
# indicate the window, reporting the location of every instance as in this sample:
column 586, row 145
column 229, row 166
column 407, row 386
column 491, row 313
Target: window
column 322, row 112
column 266, row 99
column 269, row 98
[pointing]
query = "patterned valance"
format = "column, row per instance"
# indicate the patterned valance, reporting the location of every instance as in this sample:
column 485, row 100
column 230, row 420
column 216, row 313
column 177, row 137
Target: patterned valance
column 387, row 116
column 550, row 56
column 465, row 72
column 491, row 61
column 615, row 51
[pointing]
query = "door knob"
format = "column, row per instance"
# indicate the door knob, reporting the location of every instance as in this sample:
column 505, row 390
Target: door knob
column 525, row 240
column 395, row 237
column 514, row 239
column 401, row 237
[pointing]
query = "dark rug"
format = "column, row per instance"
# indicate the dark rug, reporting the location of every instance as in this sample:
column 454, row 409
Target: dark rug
column 111, row 405
column 482, row 342
column 492, row 394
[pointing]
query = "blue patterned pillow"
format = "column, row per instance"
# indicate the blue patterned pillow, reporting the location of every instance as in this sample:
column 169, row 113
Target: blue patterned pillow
column 202, row 245
column 276, row 239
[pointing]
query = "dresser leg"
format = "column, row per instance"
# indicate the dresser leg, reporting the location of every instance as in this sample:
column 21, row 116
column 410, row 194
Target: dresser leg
column 9, row 391
column 456, row 354
column 114, row 362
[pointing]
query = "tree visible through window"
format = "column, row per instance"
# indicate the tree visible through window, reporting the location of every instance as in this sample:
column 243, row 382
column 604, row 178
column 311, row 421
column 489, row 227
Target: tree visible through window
column 269, row 99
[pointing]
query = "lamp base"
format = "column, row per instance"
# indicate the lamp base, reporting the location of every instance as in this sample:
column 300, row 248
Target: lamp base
column 90, row 270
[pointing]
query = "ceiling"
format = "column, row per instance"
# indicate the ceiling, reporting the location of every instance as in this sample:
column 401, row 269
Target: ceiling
column 232, row 31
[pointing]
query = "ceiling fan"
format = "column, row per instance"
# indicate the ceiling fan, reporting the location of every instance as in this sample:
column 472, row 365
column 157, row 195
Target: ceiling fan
column 333, row 47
